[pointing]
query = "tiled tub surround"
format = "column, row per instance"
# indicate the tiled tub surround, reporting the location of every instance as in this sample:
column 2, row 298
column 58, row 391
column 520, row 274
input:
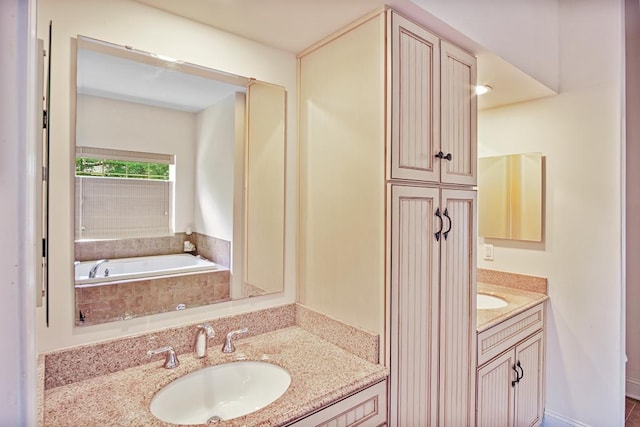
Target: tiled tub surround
column 212, row 248
column 521, row 292
column 117, row 301
column 100, row 304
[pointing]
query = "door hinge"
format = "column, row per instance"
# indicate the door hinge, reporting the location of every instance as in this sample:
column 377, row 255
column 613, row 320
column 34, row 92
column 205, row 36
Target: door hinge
column 44, row 248
column 45, row 119
column 45, row 173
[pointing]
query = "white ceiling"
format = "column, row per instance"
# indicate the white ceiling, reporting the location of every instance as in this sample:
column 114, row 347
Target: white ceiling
column 109, row 76
column 293, row 25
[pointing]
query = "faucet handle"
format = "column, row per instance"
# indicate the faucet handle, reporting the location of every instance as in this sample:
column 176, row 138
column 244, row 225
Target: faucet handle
column 228, row 344
column 171, row 361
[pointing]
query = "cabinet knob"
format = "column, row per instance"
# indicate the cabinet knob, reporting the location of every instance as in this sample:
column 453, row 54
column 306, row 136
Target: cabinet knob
column 441, row 156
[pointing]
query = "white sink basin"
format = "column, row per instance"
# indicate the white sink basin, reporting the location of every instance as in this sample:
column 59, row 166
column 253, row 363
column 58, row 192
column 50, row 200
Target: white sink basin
column 220, row 392
column 490, row 302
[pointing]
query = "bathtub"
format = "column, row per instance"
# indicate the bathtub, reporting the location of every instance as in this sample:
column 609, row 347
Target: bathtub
column 129, row 269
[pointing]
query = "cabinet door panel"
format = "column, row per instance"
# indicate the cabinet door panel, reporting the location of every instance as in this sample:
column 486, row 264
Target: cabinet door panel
column 495, row 392
column 529, row 389
column 414, row 306
column 458, row 308
column 415, row 107
column 459, row 113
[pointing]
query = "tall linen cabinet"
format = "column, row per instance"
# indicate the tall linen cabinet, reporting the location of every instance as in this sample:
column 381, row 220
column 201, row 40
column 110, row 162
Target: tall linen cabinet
column 387, row 229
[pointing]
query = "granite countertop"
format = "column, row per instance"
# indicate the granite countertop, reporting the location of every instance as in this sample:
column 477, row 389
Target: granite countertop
column 519, row 300
column 320, row 374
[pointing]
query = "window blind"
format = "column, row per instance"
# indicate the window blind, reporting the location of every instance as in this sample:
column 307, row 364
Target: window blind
column 112, row 208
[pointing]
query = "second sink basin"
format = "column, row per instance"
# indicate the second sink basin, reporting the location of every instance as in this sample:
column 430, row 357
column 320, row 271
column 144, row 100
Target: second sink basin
column 220, row 392
column 490, row 302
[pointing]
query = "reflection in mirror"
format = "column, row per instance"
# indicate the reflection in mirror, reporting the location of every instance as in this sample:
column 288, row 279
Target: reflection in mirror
column 179, row 185
column 510, row 197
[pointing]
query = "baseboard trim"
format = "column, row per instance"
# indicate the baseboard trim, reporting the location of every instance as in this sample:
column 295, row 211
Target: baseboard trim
column 632, row 388
column 553, row 419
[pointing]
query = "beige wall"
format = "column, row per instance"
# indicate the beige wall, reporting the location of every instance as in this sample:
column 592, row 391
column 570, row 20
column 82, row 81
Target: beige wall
column 127, row 22
column 633, row 195
column 214, row 169
column 342, row 195
column 579, row 133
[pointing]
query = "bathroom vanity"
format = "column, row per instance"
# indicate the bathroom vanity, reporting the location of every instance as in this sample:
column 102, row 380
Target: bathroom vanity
column 510, row 375
column 328, row 383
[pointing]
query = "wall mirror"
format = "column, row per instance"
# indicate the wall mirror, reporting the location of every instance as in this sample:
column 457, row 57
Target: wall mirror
column 179, row 184
column 510, row 197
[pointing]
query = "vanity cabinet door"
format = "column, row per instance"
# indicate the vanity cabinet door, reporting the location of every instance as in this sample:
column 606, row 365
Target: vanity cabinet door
column 433, row 355
column 496, row 395
column 414, row 335
column 415, row 101
column 457, row 308
column 510, row 386
column 529, row 407
column 433, row 107
column 458, row 116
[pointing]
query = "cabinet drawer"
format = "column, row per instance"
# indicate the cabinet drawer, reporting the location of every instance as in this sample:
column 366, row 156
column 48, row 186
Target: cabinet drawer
column 499, row 338
column 365, row 408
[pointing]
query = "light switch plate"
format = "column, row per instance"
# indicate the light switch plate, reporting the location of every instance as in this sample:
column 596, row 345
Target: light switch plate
column 488, row 252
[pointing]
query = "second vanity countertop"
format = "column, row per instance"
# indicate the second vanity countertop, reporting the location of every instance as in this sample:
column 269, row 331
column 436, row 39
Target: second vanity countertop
column 518, row 301
column 320, row 374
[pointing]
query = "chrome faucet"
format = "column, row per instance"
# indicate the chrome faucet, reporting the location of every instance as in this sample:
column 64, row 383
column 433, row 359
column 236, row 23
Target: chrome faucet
column 228, row 346
column 171, row 361
column 204, row 332
column 94, row 269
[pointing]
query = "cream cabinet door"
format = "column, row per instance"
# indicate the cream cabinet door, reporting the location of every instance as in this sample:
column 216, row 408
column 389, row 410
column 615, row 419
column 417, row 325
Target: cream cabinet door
column 529, row 406
column 457, row 308
column 415, row 259
column 415, row 101
column 433, row 355
column 510, row 387
column 458, row 116
column 496, row 392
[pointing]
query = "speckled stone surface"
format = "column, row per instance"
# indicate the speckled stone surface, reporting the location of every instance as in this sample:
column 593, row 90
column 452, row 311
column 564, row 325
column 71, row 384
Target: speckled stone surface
column 40, row 389
column 320, row 374
column 357, row 341
column 93, row 360
column 518, row 301
column 513, row 280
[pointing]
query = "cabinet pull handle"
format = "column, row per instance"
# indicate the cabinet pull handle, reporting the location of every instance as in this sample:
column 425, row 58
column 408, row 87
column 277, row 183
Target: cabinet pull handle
column 517, row 380
column 437, row 234
column 448, row 157
column 446, row 215
column 521, row 371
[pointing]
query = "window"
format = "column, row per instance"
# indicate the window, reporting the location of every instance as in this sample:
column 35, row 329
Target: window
column 123, row 194
column 87, row 166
